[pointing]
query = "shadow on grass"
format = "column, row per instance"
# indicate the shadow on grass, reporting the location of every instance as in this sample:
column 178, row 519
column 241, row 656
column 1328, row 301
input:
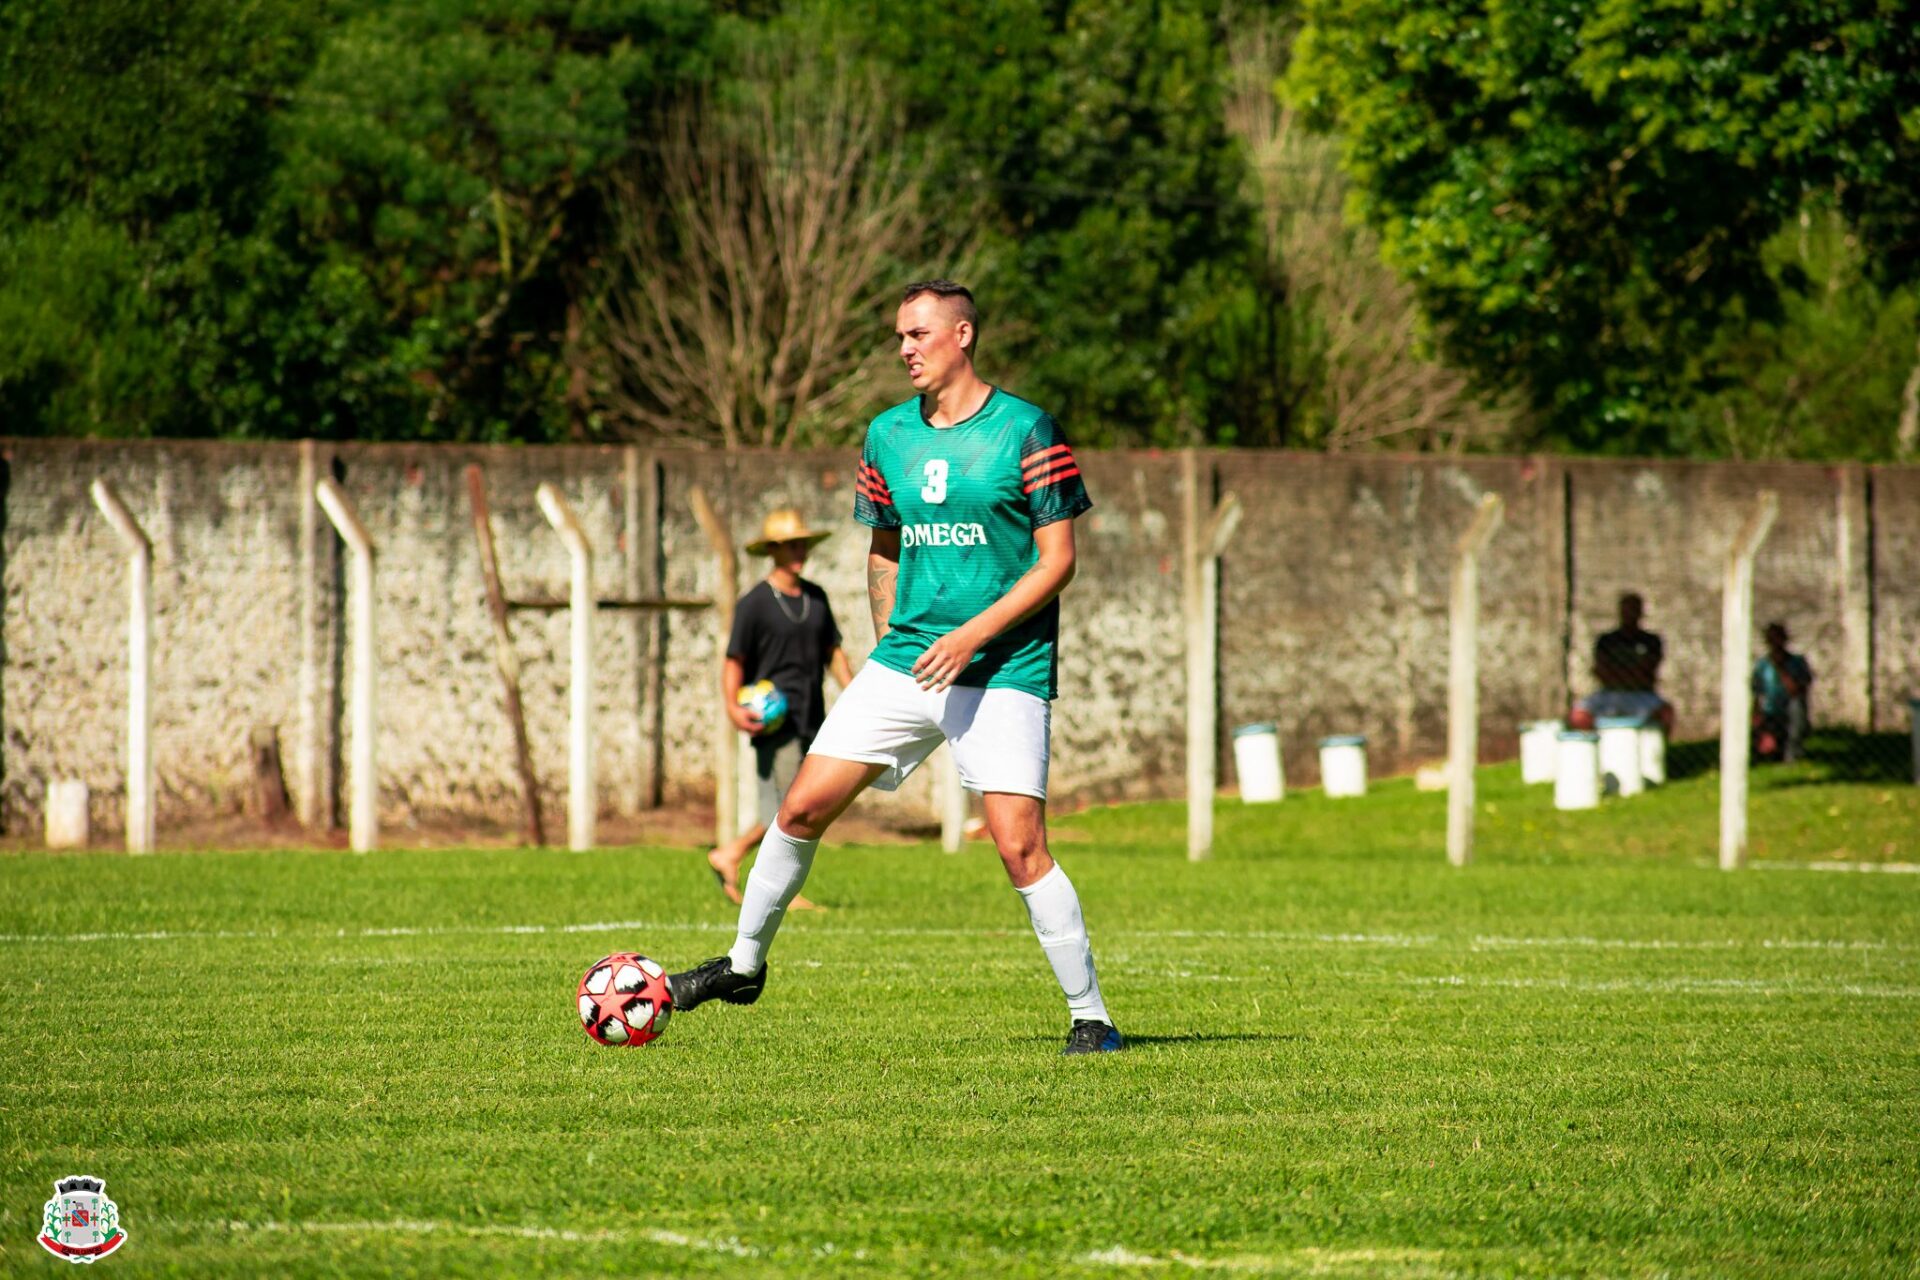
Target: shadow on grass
column 1833, row 755
column 1691, row 759
column 1847, row 755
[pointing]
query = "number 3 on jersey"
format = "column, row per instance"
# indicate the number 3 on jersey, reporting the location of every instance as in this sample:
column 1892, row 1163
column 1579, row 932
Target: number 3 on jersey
column 935, row 489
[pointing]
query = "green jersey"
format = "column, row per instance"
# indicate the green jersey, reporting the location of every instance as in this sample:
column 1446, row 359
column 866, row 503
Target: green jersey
column 966, row 500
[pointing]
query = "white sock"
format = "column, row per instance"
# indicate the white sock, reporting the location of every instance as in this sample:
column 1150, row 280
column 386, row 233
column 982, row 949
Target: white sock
column 1054, row 909
column 778, row 872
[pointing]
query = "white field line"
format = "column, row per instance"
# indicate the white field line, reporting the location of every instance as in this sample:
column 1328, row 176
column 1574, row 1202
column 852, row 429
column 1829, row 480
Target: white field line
column 411, row 1226
column 1669, row 986
column 1301, row 1262
column 1890, row 868
column 1487, row 942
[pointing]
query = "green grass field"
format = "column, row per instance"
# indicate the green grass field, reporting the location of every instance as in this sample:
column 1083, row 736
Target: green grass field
column 1589, row 1054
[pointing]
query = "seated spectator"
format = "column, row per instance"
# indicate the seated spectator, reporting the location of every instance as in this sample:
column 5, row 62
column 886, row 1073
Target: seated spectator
column 1780, row 684
column 1626, row 662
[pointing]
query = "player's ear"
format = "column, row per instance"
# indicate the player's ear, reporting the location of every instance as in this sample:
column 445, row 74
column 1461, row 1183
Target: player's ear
column 964, row 332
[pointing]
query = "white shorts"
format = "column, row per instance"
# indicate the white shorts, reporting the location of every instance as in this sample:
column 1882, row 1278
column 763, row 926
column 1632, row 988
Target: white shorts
column 999, row 736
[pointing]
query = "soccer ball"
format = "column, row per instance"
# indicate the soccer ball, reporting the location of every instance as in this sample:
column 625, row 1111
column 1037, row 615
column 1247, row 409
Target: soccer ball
column 764, row 701
column 624, row 1000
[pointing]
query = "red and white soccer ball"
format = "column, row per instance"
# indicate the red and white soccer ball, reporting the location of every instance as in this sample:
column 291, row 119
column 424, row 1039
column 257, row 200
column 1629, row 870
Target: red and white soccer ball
column 624, row 1000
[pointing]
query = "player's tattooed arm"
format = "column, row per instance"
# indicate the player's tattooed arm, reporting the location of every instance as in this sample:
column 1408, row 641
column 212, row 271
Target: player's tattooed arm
column 883, row 577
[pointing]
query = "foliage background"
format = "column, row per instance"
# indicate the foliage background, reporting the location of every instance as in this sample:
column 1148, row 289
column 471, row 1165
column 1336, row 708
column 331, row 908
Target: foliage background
column 1601, row 226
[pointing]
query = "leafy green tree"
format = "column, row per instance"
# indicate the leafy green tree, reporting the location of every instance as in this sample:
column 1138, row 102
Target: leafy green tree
column 1085, row 147
column 133, row 165
column 1824, row 378
column 1582, row 192
column 438, row 170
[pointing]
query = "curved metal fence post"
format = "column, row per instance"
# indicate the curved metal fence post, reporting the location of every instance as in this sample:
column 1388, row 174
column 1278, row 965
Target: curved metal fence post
column 582, row 802
column 139, row 666
column 1463, row 679
column 363, row 818
column 1736, row 671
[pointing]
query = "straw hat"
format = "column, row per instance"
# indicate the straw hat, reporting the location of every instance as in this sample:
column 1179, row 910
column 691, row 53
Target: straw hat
column 784, row 525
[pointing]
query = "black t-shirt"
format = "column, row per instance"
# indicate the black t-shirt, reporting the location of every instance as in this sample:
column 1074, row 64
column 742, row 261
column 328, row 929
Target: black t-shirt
column 789, row 641
column 1625, row 659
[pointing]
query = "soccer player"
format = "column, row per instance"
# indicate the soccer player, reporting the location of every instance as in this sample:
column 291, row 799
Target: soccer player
column 971, row 494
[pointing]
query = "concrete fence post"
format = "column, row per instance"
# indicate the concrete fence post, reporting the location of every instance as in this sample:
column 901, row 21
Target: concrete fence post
column 582, row 799
column 139, row 666
column 317, row 753
column 1463, row 679
column 726, row 800
column 1736, row 673
column 950, row 796
column 363, row 806
column 1205, row 531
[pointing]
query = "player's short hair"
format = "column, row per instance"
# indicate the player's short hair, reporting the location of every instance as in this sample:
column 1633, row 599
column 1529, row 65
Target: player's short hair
column 958, row 299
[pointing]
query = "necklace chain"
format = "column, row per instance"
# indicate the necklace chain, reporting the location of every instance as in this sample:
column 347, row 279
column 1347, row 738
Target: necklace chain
column 780, row 598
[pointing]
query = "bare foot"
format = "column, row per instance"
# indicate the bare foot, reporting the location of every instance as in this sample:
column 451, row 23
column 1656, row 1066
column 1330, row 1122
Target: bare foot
column 726, row 869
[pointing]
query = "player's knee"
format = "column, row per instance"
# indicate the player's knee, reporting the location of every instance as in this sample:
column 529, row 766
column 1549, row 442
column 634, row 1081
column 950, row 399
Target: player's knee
column 1019, row 848
column 802, row 820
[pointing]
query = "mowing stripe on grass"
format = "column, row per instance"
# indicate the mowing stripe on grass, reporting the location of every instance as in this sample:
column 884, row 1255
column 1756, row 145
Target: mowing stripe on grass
column 1395, row 940
column 1689, row 986
column 1891, row 868
column 415, row 1226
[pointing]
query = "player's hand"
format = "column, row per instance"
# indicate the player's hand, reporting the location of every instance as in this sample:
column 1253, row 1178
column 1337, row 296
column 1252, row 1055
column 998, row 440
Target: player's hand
column 945, row 659
column 744, row 720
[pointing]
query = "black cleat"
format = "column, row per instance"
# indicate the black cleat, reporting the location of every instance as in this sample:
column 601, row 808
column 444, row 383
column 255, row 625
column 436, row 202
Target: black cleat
column 1089, row 1036
column 716, row 977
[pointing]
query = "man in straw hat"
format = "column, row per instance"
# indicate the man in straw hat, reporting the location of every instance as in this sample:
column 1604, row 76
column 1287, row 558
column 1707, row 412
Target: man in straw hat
column 783, row 632
column 971, row 495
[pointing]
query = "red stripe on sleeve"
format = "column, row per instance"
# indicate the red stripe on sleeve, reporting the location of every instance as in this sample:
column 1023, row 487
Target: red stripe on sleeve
column 1031, row 460
column 1054, row 478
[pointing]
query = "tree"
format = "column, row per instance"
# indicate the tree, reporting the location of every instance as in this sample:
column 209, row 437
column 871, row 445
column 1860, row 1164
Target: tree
column 757, row 249
column 1084, row 143
column 439, row 169
column 1350, row 338
column 1582, row 193
column 136, row 157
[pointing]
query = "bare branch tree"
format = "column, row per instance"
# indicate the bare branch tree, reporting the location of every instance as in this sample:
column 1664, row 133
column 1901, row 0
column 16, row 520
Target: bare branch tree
column 1376, row 386
column 758, row 245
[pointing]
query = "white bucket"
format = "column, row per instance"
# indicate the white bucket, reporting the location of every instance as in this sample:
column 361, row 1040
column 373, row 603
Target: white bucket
column 1256, row 759
column 1576, row 770
column 1620, row 754
column 1343, row 765
column 67, row 824
column 1653, row 754
column 1538, row 745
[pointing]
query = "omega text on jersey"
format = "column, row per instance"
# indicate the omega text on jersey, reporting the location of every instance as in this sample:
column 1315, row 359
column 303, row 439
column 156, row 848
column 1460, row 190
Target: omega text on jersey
column 963, row 534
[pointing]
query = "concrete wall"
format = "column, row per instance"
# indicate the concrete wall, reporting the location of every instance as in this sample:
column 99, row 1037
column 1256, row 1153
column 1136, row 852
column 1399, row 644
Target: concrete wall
column 222, row 521
column 1663, row 530
column 1896, row 593
column 1332, row 614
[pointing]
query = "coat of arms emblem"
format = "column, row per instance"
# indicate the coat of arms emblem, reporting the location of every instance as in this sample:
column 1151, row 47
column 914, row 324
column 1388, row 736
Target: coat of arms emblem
column 82, row 1225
